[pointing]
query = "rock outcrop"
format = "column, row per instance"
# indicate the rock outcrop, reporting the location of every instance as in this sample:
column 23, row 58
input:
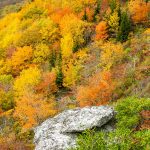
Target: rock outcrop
column 59, row 133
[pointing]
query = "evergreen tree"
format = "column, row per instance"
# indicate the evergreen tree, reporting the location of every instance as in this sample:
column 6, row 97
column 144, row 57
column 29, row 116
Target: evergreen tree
column 85, row 17
column 113, row 5
column 125, row 27
column 52, row 60
column 97, row 10
column 59, row 79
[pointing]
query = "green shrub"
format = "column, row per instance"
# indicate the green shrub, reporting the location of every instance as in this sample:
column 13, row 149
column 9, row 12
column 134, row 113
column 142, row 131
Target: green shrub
column 7, row 101
column 124, row 137
column 91, row 140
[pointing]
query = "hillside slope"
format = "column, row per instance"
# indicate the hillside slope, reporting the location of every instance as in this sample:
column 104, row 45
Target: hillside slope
column 58, row 55
column 4, row 3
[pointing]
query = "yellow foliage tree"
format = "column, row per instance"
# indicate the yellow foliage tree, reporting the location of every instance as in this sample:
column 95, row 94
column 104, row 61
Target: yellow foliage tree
column 67, row 45
column 41, row 30
column 21, row 58
column 5, row 66
column 27, row 80
column 70, row 71
column 8, row 32
column 71, row 68
column 78, row 5
column 111, row 53
column 113, row 22
column 41, row 53
column 75, row 27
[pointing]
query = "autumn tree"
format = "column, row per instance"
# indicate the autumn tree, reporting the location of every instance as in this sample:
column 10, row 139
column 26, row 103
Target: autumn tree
column 139, row 10
column 101, row 31
column 59, row 14
column 72, row 30
column 33, row 9
column 41, row 53
column 112, row 17
column 8, row 32
column 6, row 82
column 111, row 54
column 87, row 14
column 21, row 58
column 67, row 45
column 71, row 68
column 71, row 26
column 27, row 80
column 47, row 85
column 79, row 5
column 70, row 71
column 5, row 66
column 97, row 92
column 104, row 7
column 42, row 30
column 31, row 110
column 113, row 22
column 31, row 97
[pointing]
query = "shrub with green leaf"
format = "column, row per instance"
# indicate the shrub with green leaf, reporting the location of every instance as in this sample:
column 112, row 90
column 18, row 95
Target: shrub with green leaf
column 125, row 136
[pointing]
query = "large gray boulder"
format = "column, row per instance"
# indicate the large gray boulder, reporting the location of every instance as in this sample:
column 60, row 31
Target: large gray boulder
column 59, row 133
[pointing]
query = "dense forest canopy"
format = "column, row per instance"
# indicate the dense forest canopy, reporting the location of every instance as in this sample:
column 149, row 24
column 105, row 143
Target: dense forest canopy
column 62, row 54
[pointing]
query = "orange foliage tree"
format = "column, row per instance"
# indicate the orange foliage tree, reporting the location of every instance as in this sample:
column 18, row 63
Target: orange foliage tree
column 48, row 84
column 104, row 6
column 89, row 12
column 101, row 31
column 139, row 10
column 59, row 14
column 32, row 109
column 97, row 92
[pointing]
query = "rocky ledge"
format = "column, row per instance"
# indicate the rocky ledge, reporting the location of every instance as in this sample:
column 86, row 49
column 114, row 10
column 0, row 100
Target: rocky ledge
column 60, row 132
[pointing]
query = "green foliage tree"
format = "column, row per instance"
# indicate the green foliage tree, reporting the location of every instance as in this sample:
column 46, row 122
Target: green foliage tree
column 6, row 93
column 97, row 9
column 7, row 100
column 125, row 27
column 59, row 79
column 113, row 5
column 85, row 17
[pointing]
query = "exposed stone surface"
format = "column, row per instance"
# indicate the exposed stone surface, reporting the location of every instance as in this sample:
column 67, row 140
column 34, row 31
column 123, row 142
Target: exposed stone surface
column 59, row 133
